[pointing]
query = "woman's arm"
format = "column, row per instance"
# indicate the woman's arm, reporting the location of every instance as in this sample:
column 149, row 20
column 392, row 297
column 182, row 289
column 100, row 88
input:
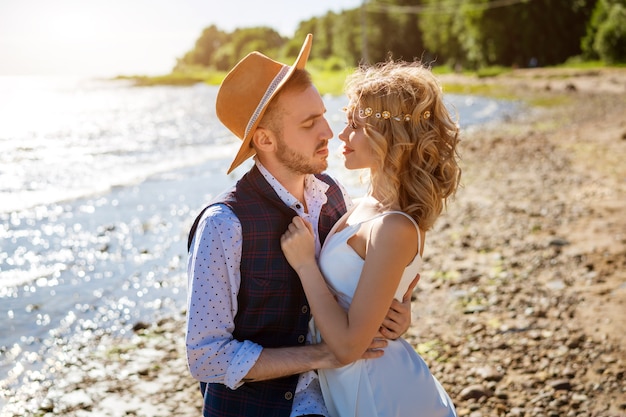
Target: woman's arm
column 392, row 244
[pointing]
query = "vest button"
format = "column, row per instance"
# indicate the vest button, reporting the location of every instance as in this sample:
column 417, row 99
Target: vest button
column 301, row 338
column 288, row 396
column 305, row 309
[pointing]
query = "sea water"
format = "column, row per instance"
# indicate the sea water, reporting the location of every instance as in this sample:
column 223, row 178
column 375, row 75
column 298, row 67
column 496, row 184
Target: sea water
column 99, row 183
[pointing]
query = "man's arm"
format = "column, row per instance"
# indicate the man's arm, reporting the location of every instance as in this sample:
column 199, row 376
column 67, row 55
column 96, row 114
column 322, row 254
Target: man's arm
column 213, row 273
column 280, row 362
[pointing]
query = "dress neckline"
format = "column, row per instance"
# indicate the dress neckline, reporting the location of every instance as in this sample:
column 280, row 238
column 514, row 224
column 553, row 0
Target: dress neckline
column 335, row 230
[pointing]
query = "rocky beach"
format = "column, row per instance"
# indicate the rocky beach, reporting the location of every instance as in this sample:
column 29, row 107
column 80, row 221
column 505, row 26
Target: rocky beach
column 520, row 310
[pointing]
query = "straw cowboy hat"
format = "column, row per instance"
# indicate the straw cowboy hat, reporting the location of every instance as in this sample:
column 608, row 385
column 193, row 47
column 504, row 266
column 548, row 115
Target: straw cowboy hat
column 246, row 92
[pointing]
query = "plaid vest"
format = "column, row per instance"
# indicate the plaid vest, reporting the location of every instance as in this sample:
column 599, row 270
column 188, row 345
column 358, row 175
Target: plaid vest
column 273, row 310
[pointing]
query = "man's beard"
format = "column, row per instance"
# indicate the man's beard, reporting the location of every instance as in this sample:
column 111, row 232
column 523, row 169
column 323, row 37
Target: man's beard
column 297, row 162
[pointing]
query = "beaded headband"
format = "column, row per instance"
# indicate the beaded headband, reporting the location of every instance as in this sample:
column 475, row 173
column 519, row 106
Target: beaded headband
column 367, row 112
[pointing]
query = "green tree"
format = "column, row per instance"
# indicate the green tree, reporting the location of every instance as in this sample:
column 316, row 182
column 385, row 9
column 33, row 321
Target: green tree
column 407, row 41
column 324, row 30
column 461, row 33
column 555, row 29
column 490, row 32
column 600, row 14
column 611, row 38
column 606, row 32
column 209, row 42
column 245, row 40
column 385, row 28
column 347, row 39
column 295, row 43
column 441, row 29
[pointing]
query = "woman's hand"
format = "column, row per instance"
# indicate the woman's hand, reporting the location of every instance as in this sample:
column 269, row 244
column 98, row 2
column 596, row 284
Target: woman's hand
column 298, row 243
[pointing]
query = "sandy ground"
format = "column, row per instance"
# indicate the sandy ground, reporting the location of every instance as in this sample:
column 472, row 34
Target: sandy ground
column 520, row 310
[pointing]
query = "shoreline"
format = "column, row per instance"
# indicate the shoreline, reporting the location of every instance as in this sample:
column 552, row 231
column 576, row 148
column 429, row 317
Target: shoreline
column 529, row 262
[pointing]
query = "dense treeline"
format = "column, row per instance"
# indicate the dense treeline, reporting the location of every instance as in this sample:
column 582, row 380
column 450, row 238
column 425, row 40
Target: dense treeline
column 459, row 33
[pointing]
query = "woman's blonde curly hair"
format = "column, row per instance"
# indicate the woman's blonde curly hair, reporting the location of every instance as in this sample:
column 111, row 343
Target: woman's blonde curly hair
column 417, row 158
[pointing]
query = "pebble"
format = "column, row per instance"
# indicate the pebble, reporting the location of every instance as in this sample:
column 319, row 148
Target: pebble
column 474, row 392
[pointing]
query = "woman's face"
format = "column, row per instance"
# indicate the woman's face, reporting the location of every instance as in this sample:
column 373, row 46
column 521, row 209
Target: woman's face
column 357, row 151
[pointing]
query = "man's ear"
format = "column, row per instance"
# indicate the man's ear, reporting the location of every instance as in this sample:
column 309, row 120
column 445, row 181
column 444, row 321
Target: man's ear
column 264, row 139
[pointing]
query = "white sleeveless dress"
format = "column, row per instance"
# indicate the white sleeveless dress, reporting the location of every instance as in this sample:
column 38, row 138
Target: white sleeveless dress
column 399, row 384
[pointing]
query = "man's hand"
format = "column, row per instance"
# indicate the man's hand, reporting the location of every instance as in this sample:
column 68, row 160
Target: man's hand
column 398, row 318
column 395, row 325
column 327, row 360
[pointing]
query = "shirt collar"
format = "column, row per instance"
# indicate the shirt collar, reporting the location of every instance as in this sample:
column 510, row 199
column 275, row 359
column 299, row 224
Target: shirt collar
column 314, row 191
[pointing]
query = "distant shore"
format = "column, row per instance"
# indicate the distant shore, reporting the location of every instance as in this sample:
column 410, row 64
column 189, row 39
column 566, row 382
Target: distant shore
column 327, row 82
column 520, row 309
column 483, row 82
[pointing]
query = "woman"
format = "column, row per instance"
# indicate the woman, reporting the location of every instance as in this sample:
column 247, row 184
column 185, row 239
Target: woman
column 399, row 128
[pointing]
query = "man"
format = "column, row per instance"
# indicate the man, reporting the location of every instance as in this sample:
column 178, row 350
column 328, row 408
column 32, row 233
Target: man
column 247, row 314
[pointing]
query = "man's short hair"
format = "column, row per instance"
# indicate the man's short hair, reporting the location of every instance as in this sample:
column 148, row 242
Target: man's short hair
column 299, row 81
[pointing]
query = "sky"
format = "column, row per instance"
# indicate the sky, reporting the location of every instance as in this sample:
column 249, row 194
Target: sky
column 130, row 37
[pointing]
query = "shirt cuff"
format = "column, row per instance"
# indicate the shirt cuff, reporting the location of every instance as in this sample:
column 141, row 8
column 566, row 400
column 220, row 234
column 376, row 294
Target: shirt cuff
column 242, row 362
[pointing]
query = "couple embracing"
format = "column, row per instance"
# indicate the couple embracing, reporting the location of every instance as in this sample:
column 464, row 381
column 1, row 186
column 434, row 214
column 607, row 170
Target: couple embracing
column 297, row 295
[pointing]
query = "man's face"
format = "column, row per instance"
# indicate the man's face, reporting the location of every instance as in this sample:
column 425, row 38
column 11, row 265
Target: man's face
column 303, row 138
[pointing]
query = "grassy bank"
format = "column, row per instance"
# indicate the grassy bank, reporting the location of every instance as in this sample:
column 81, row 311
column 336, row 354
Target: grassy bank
column 179, row 78
column 327, row 81
column 483, row 82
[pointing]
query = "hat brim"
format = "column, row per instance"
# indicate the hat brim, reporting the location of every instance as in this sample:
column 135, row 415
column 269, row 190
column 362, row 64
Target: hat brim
column 245, row 150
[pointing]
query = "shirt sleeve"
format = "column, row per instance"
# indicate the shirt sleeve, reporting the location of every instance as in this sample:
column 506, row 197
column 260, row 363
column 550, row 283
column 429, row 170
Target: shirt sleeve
column 213, row 275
